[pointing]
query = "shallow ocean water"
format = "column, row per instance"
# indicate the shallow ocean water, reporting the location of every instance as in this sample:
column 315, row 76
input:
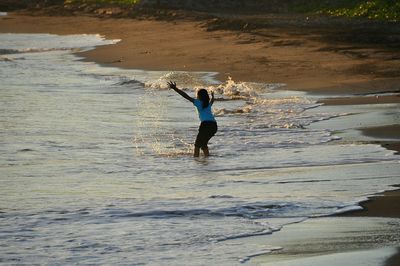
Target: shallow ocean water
column 96, row 165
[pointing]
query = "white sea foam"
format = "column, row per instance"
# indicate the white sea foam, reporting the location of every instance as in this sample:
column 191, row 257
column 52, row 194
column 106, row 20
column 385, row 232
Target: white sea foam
column 30, row 43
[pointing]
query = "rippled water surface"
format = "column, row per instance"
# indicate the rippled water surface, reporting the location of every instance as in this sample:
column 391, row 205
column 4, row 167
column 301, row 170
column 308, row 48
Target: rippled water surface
column 96, row 162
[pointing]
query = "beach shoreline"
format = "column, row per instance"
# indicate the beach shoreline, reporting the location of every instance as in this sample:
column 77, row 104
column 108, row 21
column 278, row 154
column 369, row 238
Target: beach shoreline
column 380, row 205
column 298, row 57
column 326, row 240
column 302, row 62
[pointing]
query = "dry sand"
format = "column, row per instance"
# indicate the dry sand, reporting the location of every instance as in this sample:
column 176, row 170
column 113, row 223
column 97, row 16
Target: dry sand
column 297, row 58
column 302, row 61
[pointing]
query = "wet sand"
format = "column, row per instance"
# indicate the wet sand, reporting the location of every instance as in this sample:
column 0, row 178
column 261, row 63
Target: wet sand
column 333, row 241
column 387, row 132
column 302, row 61
column 340, row 239
column 381, row 205
column 377, row 99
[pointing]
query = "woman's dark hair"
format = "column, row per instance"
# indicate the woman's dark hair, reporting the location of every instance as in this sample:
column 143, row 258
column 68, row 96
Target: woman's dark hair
column 202, row 94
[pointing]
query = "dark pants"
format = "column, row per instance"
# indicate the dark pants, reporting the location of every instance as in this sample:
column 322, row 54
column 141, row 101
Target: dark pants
column 207, row 130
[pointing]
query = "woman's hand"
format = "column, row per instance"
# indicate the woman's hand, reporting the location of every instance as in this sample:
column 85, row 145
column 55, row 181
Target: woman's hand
column 172, row 85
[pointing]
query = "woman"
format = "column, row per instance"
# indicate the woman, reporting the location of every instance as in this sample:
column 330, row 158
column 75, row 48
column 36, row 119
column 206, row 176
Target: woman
column 208, row 126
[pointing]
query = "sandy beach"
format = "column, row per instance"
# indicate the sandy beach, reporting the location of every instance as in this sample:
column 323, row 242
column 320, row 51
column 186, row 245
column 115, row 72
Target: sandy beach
column 300, row 58
column 303, row 59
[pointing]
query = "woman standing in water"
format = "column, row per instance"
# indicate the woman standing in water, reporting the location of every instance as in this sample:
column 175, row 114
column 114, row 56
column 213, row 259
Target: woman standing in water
column 208, row 126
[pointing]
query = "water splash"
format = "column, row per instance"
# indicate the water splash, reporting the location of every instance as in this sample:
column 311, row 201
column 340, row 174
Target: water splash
column 154, row 133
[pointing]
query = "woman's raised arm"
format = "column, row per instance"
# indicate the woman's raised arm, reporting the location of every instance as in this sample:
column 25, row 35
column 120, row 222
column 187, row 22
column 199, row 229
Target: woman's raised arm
column 173, row 86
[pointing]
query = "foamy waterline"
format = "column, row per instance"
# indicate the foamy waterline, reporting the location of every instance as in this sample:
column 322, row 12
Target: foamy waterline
column 28, row 43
